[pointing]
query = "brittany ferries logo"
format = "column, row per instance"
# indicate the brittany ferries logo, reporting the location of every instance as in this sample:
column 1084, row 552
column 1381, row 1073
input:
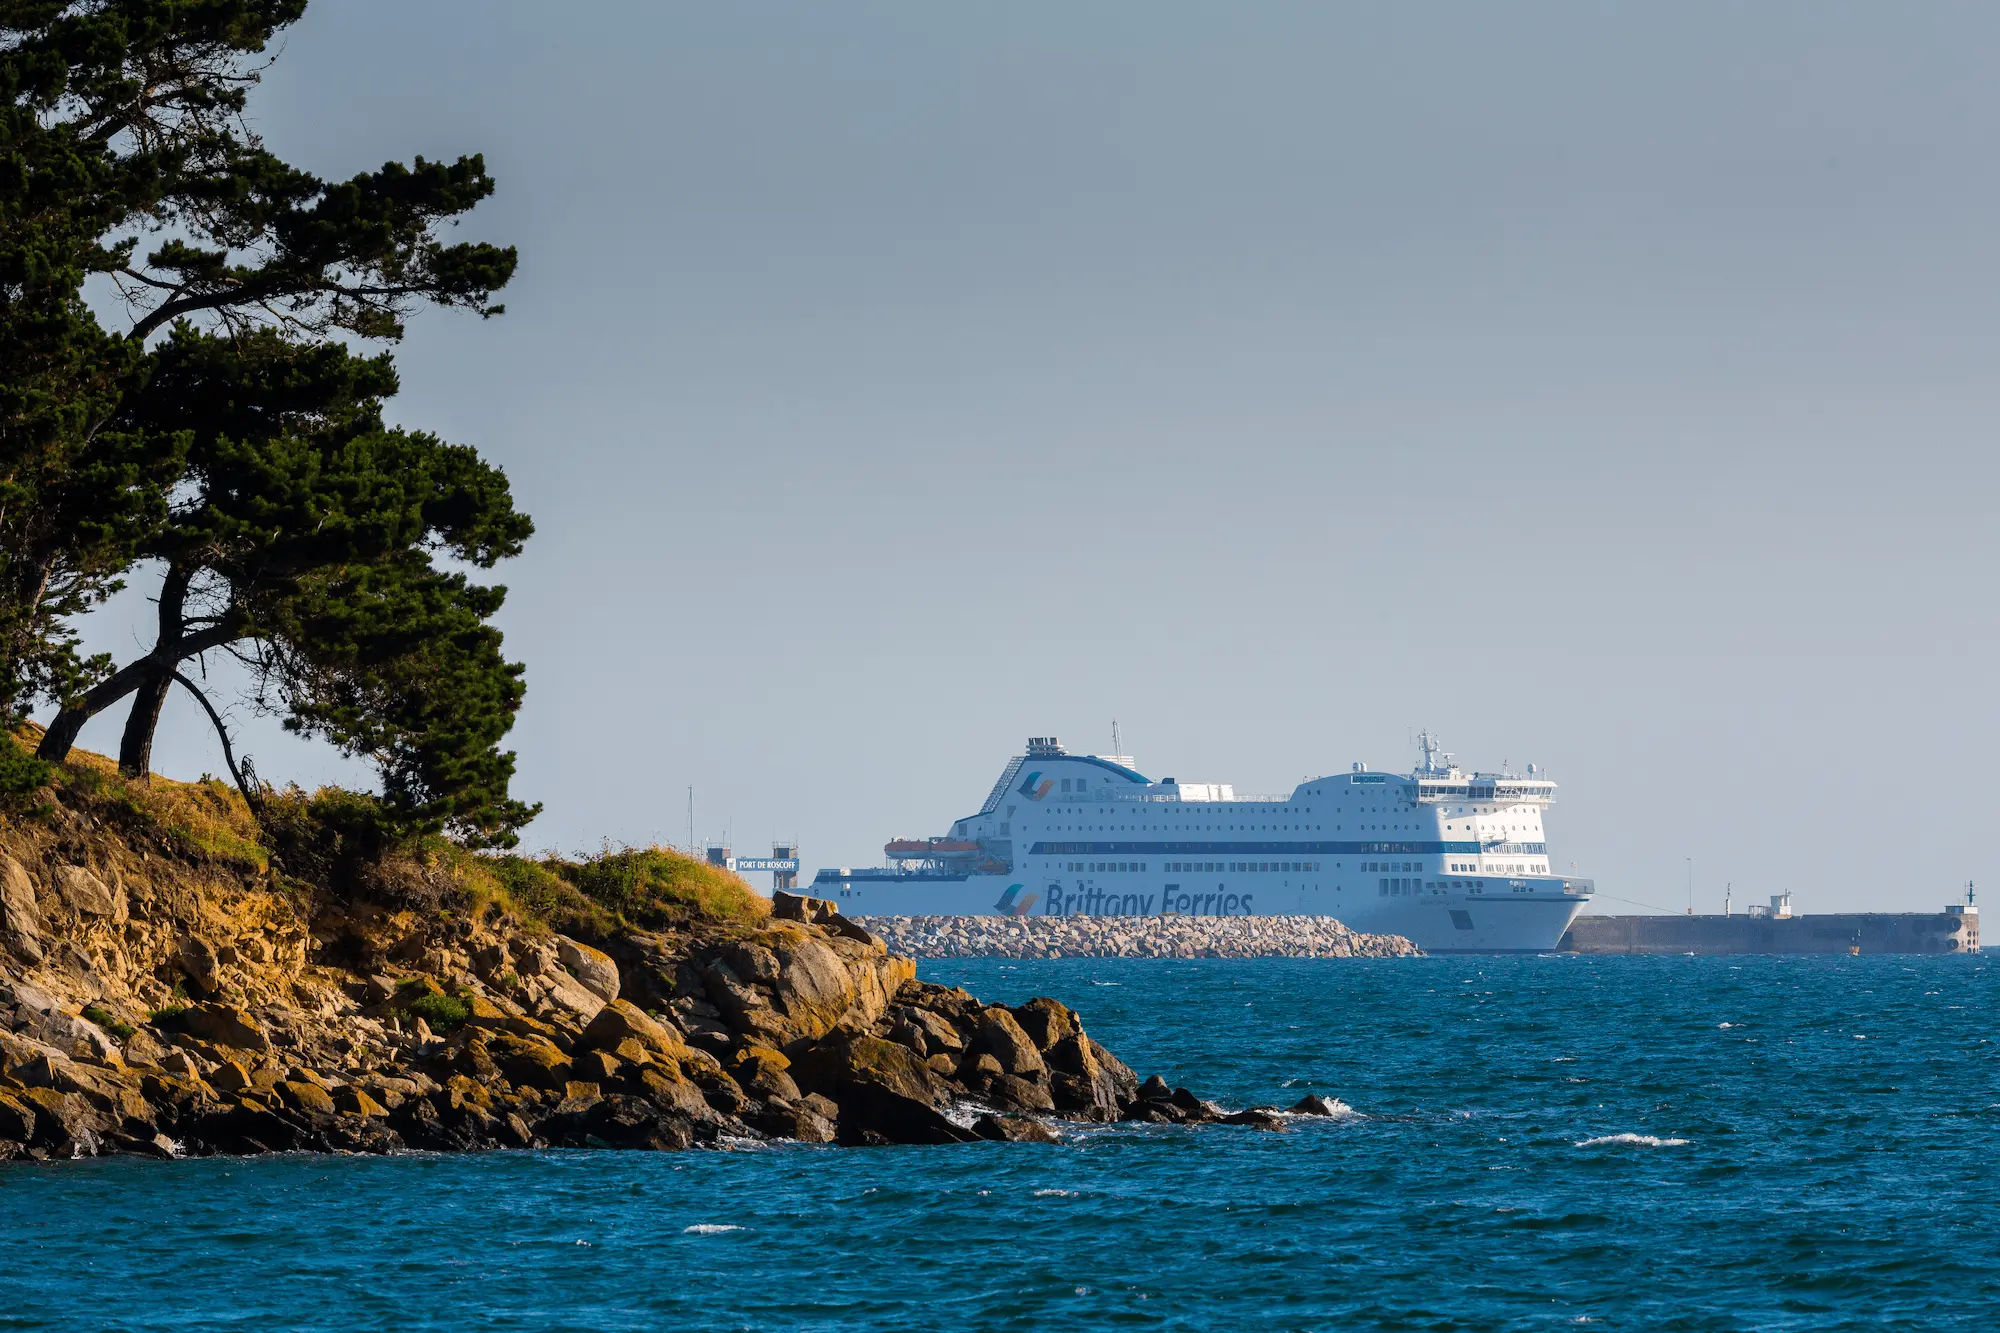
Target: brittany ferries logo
column 1014, row 902
column 1035, row 786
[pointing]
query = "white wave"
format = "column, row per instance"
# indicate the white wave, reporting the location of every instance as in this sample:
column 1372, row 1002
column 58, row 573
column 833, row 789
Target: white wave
column 710, row 1229
column 1725, row 1025
column 1055, row 1194
column 1631, row 1141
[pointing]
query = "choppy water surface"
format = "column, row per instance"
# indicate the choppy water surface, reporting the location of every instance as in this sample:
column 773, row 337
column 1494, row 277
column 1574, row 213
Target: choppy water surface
column 1675, row 1143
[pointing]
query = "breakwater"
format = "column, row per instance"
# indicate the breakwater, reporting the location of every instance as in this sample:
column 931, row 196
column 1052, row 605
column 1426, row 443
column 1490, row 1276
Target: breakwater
column 1131, row 937
column 1952, row 931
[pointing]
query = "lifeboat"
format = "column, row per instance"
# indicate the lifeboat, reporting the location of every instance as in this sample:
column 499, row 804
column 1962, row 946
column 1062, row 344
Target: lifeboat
column 906, row 849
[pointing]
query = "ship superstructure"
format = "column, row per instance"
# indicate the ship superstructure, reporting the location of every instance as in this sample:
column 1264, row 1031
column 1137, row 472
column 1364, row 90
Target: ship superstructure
column 1457, row 861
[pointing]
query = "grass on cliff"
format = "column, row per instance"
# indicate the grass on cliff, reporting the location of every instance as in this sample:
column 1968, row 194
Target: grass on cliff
column 652, row 887
column 338, row 842
column 208, row 820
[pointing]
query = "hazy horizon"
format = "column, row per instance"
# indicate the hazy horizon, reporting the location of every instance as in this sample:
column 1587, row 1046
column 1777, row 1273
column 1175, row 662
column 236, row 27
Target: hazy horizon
column 1610, row 389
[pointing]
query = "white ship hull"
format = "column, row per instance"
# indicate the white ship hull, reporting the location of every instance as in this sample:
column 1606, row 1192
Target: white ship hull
column 1453, row 861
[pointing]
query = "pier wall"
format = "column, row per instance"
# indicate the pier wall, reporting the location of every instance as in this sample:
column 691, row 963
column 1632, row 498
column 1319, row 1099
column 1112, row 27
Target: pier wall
column 1870, row 932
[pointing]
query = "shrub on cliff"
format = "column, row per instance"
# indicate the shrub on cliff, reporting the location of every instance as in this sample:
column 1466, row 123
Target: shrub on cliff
column 21, row 774
column 441, row 1012
column 652, row 886
column 536, row 890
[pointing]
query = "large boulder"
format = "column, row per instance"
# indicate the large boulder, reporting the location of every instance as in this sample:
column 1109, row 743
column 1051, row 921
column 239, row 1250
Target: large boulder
column 621, row 1020
column 591, row 967
column 752, row 963
column 225, row 1025
column 764, row 1072
column 666, row 1089
column 17, row 1119
column 308, row 1097
column 798, row 907
column 21, row 925
column 1013, row 1129
column 1088, row 1080
column 532, row 1062
column 34, row 1014
column 787, row 1120
column 1047, row 1021
column 566, row 995
column 939, row 1034
column 885, row 1093
column 64, row 1122
column 87, row 895
column 814, row 988
column 1001, row 1037
column 199, row 964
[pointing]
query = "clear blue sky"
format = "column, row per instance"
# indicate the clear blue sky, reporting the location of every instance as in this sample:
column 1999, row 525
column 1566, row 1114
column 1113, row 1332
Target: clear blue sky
column 1611, row 387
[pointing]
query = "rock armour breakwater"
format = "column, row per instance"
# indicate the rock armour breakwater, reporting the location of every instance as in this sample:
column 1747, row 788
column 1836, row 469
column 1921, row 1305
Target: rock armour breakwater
column 1132, row 937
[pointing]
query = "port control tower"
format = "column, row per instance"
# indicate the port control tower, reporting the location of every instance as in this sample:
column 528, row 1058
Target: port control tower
column 782, row 864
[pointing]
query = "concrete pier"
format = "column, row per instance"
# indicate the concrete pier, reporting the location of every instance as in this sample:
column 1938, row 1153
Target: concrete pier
column 1952, row 931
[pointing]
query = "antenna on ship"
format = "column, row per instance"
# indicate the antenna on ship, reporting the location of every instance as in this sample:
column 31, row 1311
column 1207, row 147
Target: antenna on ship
column 1115, row 747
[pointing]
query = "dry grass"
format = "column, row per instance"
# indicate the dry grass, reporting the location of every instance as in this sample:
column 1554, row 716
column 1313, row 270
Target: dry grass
column 653, row 887
column 657, row 886
column 207, row 820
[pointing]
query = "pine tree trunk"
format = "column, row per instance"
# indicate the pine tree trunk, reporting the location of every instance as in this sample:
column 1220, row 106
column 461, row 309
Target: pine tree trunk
column 135, row 749
column 61, row 735
column 150, row 677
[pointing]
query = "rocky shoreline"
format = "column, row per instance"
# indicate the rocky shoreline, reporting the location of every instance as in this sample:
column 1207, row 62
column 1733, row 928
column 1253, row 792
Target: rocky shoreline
column 161, row 999
column 1131, row 937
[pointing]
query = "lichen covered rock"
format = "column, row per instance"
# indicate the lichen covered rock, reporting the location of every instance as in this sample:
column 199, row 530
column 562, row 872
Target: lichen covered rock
column 164, row 997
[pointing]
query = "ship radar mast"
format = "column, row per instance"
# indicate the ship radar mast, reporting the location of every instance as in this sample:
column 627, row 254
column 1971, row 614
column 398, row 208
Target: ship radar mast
column 1428, row 746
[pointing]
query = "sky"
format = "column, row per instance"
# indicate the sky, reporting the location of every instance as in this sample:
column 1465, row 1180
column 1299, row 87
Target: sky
column 1608, row 387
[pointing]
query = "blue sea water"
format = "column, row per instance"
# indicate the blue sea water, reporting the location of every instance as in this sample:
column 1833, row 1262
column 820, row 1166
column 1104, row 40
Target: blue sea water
column 1541, row 1143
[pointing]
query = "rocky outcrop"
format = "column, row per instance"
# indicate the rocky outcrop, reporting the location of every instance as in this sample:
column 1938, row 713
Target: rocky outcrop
column 1131, row 937
column 160, row 1003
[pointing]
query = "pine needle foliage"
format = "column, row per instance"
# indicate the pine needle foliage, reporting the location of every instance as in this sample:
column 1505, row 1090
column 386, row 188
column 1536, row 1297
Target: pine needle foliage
column 229, row 438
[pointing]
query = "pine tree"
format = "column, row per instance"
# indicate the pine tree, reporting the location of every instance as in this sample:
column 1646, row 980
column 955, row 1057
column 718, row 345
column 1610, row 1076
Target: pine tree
column 244, row 451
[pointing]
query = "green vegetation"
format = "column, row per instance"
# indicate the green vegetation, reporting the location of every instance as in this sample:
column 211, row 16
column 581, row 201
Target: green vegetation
column 589, row 898
column 21, row 774
column 109, row 1021
column 652, row 886
column 442, row 1012
column 205, row 820
column 231, row 439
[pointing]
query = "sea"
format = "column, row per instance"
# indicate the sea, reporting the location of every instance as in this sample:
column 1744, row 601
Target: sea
column 1532, row 1143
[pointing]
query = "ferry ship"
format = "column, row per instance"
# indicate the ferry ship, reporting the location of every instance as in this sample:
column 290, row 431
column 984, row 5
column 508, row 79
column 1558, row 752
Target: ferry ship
column 1455, row 861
